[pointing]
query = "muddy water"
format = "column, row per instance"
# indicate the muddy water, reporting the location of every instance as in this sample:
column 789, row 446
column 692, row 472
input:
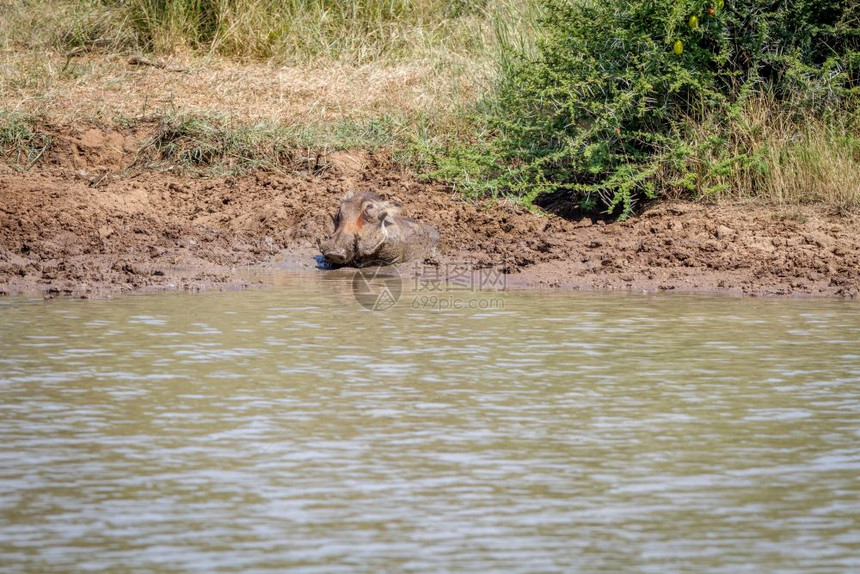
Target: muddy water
column 291, row 428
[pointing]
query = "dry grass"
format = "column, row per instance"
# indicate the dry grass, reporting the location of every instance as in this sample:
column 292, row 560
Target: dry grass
column 778, row 156
column 68, row 62
column 105, row 86
column 63, row 25
column 302, row 31
column 399, row 70
column 818, row 167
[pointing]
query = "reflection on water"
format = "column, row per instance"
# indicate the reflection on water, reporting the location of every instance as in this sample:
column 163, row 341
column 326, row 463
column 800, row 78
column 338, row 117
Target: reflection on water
column 291, row 428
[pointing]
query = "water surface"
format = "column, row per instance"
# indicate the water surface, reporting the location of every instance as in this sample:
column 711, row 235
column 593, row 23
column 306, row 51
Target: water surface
column 292, row 429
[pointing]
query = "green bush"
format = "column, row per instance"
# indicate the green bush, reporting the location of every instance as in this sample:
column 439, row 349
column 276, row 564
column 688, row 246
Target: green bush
column 601, row 108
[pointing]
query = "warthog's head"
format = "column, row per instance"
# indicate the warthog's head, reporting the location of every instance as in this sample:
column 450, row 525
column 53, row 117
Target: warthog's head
column 363, row 224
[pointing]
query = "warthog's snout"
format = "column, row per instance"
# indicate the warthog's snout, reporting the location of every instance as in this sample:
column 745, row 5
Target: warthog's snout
column 336, row 256
column 369, row 230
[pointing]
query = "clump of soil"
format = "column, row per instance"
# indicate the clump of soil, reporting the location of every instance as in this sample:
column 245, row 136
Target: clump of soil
column 85, row 221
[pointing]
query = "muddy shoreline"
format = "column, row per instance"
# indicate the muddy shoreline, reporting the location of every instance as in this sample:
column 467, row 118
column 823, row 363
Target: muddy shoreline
column 82, row 222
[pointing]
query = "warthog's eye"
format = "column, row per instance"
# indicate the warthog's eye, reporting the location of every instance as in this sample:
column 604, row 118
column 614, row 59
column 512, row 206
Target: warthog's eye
column 367, row 214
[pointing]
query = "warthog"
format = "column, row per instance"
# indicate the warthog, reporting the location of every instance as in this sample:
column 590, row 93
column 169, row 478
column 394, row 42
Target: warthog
column 370, row 231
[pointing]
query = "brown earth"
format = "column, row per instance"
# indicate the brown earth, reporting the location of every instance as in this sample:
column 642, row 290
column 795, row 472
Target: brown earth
column 83, row 222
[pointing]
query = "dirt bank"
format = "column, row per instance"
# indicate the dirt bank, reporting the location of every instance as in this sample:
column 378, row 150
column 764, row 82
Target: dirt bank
column 83, row 222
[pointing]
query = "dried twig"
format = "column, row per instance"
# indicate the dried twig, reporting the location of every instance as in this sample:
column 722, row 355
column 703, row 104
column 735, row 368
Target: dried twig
column 141, row 61
column 71, row 54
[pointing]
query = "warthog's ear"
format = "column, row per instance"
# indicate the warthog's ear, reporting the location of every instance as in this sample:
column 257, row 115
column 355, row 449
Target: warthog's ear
column 349, row 194
column 389, row 208
column 380, row 210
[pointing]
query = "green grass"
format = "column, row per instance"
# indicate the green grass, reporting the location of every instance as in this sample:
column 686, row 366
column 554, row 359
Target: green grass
column 22, row 140
column 219, row 145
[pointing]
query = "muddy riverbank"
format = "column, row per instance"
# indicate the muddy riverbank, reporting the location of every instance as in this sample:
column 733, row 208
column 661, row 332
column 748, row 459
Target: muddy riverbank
column 85, row 221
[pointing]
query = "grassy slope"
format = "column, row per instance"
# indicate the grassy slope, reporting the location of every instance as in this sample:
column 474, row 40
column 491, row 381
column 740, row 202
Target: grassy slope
column 291, row 75
column 395, row 71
